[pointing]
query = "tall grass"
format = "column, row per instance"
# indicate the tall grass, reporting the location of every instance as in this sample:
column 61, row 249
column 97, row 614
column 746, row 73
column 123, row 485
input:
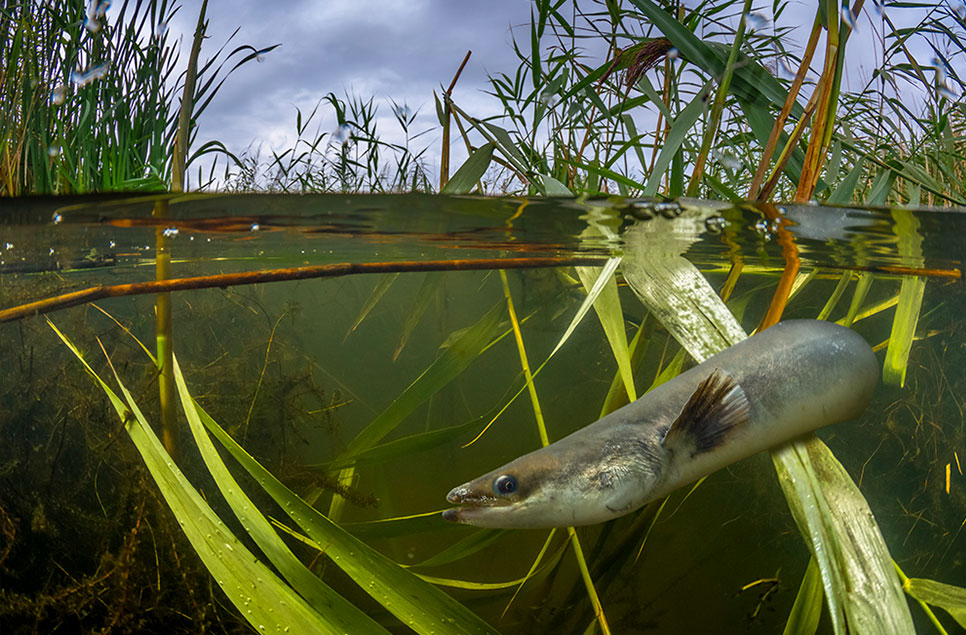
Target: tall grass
column 89, row 93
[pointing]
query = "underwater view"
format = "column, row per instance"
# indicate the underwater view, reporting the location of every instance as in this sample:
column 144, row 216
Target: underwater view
column 363, row 396
column 556, row 316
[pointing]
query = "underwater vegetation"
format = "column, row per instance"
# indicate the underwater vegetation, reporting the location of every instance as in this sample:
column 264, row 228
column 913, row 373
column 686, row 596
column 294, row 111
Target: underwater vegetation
column 226, row 472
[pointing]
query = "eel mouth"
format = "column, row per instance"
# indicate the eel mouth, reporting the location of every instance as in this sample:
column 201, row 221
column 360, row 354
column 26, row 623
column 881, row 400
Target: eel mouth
column 469, row 503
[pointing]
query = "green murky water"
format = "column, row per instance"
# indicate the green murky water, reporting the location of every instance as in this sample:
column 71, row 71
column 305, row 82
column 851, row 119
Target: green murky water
column 296, row 369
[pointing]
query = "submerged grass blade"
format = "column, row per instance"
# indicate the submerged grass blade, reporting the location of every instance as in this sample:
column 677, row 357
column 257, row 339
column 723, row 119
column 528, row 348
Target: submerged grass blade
column 385, row 281
column 414, row 602
column 542, row 428
column 945, row 596
column 807, row 610
column 343, row 615
column 592, row 294
column 258, row 594
column 910, row 299
column 608, row 308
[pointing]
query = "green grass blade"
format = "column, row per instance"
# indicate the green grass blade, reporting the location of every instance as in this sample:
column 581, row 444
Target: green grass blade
column 466, row 547
column 258, row 594
column 344, row 616
column 607, row 271
column 425, row 295
column 608, row 308
column 469, row 174
column 408, row 446
column 450, row 363
column 911, row 290
column 682, row 125
column 385, row 281
column 807, row 610
column 945, row 596
column 416, row 603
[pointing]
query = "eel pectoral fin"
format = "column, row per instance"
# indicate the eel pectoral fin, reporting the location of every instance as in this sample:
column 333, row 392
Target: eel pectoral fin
column 717, row 406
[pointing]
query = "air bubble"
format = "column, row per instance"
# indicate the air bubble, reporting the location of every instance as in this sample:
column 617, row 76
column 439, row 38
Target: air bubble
column 170, row 232
column 255, row 227
column 53, row 152
column 57, row 218
column 715, row 224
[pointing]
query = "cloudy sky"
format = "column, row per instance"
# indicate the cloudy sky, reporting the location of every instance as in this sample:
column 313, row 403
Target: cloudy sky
column 398, row 49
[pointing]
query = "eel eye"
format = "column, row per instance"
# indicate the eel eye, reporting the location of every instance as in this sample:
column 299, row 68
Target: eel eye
column 505, row 485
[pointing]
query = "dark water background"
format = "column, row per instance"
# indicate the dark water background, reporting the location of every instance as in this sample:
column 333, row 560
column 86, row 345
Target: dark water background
column 86, row 543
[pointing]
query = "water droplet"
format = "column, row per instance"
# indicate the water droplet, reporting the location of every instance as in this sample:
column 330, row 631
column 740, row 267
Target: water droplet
column 784, row 67
column 8, row 245
column 170, row 232
column 726, row 160
column 57, row 218
column 549, row 99
column 668, row 209
column 756, row 20
column 53, row 152
column 848, row 18
column 229, row 547
column 82, row 78
column 255, row 227
column 51, row 252
column 111, row 244
column 763, row 229
column 946, row 92
column 715, row 224
column 342, row 134
column 58, row 95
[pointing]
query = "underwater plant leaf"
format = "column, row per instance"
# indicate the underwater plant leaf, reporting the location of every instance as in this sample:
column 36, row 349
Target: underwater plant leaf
column 683, row 124
column 408, row 445
column 606, row 272
column 385, row 281
column 416, row 603
column 425, row 295
column 807, row 610
column 466, row 547
column 673, row 289
column 856, row 569
column 444, row 369
column 911, row 291
column 831, row 512
column 946, row 596
column 345, row 617
column 399, row 525
column 468, row 175
column 858, row 297
column 833, row 299
column 607, row 305
column 259, row 595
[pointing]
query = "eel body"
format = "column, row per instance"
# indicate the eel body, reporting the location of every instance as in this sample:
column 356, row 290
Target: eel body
column 788, row 380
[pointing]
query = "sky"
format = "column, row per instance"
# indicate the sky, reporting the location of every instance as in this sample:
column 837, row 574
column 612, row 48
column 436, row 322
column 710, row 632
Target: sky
column 398, row 49
column 391, row 49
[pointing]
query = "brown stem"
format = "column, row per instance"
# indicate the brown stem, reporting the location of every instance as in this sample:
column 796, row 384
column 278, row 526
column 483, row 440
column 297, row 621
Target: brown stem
column 100, row 292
